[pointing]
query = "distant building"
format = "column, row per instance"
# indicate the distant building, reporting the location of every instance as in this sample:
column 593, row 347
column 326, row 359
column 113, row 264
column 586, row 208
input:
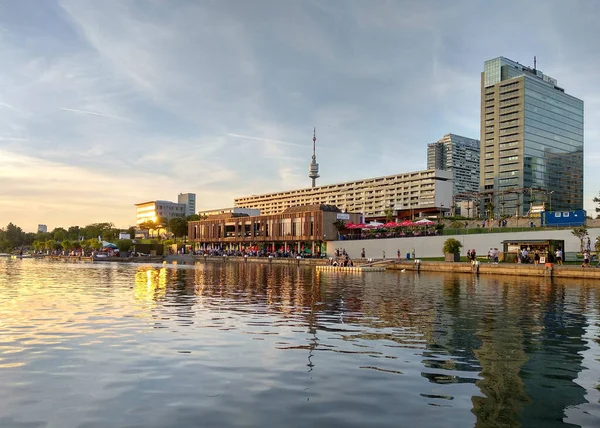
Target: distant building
column 459, row 155
column 189, row 199
column 531, row 140
column 299, row 229
column 233, row 210
column 153, row 210
column 409, row 194
column 42, row 228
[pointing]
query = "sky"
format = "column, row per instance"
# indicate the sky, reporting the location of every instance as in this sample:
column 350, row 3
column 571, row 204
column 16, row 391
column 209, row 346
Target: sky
column 104, row 104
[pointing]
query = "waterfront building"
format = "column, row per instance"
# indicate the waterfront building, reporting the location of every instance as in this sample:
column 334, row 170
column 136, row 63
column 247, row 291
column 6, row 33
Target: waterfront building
column 531, row 140
column 153, row 210
column 189, row 199
column 235, row 211
column 461, row 156
column 410, row 194
column 42, row 228
column 301, row 228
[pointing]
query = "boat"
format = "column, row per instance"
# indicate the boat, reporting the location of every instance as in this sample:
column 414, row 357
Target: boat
column 20, row 256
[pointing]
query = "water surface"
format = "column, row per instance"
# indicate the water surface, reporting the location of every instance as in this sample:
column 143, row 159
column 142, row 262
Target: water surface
column 244, row 345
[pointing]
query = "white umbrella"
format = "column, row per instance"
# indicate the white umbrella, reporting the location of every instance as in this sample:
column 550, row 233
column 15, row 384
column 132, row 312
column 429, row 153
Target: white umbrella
column 425, row 221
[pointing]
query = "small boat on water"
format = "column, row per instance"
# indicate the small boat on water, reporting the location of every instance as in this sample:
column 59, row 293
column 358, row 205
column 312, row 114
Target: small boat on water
column 21, row 256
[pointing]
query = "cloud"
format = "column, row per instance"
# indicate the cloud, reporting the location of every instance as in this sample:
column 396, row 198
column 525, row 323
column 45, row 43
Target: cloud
column 93, row 113
column 265, row 140
column 221, row 98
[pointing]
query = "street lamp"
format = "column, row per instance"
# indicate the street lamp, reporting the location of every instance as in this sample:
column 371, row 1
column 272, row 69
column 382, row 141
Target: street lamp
column 550, row 200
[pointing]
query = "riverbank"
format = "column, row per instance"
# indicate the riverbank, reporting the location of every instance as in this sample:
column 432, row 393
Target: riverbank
column 551, row 270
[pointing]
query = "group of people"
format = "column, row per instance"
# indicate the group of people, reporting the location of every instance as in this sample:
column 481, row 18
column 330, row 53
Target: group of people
column 471, row 255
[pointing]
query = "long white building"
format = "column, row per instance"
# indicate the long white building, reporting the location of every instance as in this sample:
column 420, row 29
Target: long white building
column 408, row 195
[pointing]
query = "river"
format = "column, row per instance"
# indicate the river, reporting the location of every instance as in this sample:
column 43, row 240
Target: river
column 243, row 345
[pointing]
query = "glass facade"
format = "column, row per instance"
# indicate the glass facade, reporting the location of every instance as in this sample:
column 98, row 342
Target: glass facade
column 553, row 144
column 532, row 141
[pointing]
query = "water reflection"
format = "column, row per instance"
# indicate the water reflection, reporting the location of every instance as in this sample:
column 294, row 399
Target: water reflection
column 289, row 345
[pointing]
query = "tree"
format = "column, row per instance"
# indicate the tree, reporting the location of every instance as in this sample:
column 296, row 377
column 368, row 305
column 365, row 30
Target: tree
column 73, row 233
column 67, row 245
column 147, row 225
column 452, row 246
column 339, row 225
column 124, row 244
column 597, row 201
column 389, row 214
column 14, row 235
column 131, row 232
column 59, row 234
column 178, row 226
column 581, row 233
column 193, row 217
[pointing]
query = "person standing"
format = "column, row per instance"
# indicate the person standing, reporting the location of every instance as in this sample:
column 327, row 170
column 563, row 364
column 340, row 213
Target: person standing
column 384, row 255
column 536, row 257
column 398, row 254
column 559, row 256
column 586, row 259
column 362, row 253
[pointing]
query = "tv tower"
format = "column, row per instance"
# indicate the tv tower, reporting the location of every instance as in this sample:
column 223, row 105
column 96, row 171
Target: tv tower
column 313, row 168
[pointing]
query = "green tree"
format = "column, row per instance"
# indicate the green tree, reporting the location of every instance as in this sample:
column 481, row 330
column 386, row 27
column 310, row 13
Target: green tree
column 178, row 226
column 131, row 232
column 147, row 226
column 59, row 234
column 452, row 246
column 67, row 245
column 15, row 235
column 389, row 214
column 124, row 244
column 597, row 201
column 193, row 217
column 581, row 233
column 73, row 233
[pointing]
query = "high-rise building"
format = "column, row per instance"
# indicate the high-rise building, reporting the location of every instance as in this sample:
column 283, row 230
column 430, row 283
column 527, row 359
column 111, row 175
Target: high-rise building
column 531, row 141
column 155, row 210
column 189, row 199
column 42, row 228
column 459, row 155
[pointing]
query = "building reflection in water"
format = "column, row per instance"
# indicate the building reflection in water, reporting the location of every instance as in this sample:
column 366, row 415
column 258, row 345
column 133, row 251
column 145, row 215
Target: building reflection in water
column 518, row 342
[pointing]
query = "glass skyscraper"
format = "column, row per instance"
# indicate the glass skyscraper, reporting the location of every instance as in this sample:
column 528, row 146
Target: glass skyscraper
column 531, row 141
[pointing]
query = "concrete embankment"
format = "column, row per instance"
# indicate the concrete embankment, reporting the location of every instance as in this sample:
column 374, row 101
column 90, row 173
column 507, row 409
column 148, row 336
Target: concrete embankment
column 516, row 269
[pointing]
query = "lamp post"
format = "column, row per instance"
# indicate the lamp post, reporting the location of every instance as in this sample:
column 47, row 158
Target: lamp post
column 550, row 200
column 441, row 211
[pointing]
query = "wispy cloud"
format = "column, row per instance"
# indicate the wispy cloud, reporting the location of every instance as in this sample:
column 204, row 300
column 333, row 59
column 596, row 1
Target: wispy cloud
column 94, row 113
column 266, row 140
column 168, row 83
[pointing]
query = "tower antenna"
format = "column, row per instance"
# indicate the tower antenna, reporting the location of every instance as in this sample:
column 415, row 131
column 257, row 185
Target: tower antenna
column 534, row 62
column 313, row 168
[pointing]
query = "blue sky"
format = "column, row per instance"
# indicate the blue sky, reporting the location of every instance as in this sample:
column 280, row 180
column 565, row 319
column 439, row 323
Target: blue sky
column 107, row 103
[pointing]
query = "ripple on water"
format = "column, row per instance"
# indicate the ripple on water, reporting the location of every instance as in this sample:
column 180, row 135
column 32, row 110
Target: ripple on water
column 96, row 345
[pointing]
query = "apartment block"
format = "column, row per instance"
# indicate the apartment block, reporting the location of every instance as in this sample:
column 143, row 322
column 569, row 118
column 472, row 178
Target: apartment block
column 408, row 194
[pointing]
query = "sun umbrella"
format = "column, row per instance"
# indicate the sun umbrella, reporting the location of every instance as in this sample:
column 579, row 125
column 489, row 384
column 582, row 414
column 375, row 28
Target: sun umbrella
column 109, row 245
column 424, row 222
column 390, row 225
column 406, row 223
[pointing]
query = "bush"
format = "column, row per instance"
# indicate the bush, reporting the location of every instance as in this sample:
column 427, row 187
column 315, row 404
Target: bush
column 452, row 246
column 124, row 244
